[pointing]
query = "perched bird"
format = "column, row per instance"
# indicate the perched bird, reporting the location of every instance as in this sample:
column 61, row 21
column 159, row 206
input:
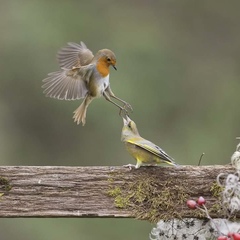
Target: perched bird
column 235, row 159
column 144, row 151
column 82, row 75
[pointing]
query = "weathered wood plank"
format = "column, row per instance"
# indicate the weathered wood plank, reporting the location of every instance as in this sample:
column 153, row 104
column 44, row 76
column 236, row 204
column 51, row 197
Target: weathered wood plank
column 44, row 191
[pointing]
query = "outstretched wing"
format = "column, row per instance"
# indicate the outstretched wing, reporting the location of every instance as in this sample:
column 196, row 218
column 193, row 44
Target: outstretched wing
column 74, row 55
column 67, row 84
column 154, row 149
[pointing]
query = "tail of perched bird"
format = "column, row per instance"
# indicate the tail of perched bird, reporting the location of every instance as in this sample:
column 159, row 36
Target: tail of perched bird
column 144, row 151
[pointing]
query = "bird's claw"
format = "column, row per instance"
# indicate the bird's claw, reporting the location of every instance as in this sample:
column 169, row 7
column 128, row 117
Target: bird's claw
column 124, row 110
column 130, row 166
column 127, row 106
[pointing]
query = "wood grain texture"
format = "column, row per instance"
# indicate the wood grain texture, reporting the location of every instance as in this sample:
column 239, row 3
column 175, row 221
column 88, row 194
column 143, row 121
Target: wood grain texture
column 42, row 191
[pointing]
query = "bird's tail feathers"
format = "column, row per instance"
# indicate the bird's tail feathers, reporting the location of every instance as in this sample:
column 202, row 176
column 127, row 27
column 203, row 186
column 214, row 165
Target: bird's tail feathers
column 170, row 162
column 81, row 112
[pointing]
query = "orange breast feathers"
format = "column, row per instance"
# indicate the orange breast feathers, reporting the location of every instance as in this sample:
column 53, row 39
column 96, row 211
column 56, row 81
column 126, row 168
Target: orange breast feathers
column 103, row 66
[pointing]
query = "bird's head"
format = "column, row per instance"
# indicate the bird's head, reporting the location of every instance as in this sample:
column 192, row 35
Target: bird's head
column 107, row 57
column 129, row 128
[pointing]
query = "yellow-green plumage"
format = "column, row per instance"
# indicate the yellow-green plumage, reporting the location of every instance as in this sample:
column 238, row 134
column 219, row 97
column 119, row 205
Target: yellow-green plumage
column 144, row 151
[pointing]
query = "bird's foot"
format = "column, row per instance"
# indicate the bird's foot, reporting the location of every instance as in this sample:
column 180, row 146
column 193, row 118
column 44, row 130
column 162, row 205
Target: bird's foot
column 127, row 106
column 130, row 166
column 123, row 112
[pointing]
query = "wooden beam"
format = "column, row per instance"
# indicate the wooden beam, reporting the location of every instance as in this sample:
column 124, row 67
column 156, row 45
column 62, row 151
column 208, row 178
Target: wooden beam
column 44, row 191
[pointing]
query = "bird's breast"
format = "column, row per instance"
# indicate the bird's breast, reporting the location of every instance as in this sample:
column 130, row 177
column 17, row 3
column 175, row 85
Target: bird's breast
column 97, row 85
column 102, row 67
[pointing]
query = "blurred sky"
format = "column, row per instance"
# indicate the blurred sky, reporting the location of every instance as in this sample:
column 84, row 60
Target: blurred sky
column 178, row 66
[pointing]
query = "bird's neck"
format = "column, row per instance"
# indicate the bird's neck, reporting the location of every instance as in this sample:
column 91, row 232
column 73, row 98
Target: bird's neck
column 103, row 67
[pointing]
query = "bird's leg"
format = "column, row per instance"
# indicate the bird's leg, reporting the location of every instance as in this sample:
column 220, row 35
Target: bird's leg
column 125, row 103
column 138, row 165
column 111, row 101
column 111, row 94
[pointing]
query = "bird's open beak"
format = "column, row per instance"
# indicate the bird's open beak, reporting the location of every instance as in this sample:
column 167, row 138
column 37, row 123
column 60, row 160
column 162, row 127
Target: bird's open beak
column 126, row 119
column 114, row 67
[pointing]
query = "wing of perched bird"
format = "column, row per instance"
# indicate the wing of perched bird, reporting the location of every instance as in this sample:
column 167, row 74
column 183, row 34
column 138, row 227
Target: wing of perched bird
column 67, row 84
column 152, row 148
column 74, row 55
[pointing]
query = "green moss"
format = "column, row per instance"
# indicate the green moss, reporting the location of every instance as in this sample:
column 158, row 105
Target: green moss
column 148, row 198
column 114, row 192
column 216, row 190
column 217, row 207
column 121, row 202
column 4, row 184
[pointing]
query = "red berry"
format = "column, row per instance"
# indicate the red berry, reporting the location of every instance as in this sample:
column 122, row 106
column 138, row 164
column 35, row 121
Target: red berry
column 222, row 238
column 236, row 236
column 191, row 204
column 201, row 200
column 230, row 234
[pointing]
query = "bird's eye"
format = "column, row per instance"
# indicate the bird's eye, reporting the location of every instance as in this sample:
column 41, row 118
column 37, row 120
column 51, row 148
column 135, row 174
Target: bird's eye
column 109, row 59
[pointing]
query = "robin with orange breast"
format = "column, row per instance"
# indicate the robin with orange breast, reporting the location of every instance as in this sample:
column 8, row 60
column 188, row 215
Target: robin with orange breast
column 83, row 75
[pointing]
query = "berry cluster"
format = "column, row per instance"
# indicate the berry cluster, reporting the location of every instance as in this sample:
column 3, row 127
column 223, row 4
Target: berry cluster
column 234, row 236
column 196, row 204
column 200, row 204
column 230, row 236
column 208, row 228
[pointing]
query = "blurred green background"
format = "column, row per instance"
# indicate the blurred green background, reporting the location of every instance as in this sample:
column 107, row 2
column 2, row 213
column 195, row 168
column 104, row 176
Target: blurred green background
column 178, row 65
